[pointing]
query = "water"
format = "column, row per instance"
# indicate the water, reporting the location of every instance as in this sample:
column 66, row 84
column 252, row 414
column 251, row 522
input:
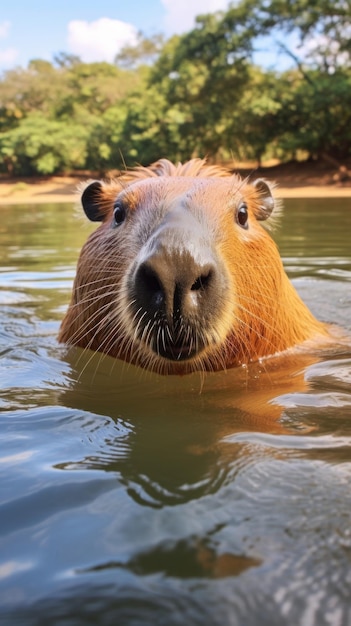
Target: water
column 127, row 498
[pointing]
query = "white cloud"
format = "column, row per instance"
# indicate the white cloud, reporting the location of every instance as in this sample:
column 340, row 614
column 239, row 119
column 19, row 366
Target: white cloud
column 7, row 55
column 181, row 14
column 100, row 40
column 4, row 29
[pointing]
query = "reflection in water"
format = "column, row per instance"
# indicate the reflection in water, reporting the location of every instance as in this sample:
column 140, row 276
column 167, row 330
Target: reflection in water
column 129, row 498
column 172, row 447
column 185, row 559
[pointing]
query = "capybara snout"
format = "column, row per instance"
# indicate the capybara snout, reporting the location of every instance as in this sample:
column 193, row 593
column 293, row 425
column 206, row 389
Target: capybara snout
column 176, row 288
column 181, row 275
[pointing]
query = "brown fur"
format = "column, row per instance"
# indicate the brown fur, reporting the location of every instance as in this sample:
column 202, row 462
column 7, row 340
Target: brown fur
column 261, row 313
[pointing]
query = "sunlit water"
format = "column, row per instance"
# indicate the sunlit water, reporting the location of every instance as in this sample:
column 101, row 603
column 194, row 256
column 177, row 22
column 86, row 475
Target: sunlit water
column 127, row 498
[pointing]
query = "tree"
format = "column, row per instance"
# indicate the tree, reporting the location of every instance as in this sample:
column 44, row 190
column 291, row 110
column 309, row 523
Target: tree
column 316, row 117
column 228, row 105
column 203, row 74
column 65, row 60
column 322, row 28
column 41, row 146
column 93, row 87
column 37, row 88
column 198, row 94
column 144, row 52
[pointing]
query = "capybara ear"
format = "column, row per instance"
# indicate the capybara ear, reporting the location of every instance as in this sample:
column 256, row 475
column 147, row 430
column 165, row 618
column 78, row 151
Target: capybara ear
column 91, row 201
column 265, row 200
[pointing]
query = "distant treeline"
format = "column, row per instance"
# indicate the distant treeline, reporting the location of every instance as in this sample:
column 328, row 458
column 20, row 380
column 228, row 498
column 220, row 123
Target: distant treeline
column 192, row 95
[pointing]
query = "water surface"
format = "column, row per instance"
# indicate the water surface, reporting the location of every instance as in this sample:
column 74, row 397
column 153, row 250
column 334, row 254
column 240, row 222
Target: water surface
column 127, row 498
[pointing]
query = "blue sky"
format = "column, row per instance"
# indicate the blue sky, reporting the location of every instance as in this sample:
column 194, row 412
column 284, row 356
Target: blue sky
column 93, row 30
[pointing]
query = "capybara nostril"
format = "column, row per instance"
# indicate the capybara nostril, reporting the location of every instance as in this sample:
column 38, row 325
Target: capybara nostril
column 202, row 282
column 149, row 290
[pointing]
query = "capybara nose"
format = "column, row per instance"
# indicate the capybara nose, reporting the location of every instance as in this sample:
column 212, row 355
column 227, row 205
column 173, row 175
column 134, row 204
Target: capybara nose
column 175, row 286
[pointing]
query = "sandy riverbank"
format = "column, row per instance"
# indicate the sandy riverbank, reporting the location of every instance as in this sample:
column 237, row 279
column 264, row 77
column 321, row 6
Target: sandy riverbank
column 292, row 182
column 39, row 190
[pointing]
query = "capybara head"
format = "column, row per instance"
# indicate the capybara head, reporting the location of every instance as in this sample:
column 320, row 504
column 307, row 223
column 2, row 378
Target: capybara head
column 181, row 275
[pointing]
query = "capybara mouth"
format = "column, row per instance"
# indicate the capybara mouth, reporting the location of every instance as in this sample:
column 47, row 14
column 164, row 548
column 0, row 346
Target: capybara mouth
column 176, row 351
column 170, row 343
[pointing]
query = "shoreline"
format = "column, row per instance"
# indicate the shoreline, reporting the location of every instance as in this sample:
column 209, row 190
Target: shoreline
column 66, row 189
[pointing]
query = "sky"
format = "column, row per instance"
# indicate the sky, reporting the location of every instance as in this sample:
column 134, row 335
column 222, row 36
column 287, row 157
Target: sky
column 95, row 31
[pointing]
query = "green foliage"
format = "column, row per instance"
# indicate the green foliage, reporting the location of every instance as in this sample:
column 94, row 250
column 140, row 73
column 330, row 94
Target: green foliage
column 145, row 52
column 193, row 95
column 43, row 146
column 203, row 75
column 316, row 117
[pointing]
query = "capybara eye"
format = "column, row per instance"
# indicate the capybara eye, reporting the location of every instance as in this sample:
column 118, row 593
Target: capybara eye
column 242, row 215
column 119, row 213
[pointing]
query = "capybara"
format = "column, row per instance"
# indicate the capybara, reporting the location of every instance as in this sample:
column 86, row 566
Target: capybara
column 181, row 275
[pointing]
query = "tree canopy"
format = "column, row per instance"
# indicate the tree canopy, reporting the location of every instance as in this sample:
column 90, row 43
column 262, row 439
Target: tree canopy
column 204, row 93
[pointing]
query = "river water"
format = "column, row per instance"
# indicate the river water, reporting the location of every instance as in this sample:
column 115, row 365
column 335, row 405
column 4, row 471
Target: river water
column 132, row 499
